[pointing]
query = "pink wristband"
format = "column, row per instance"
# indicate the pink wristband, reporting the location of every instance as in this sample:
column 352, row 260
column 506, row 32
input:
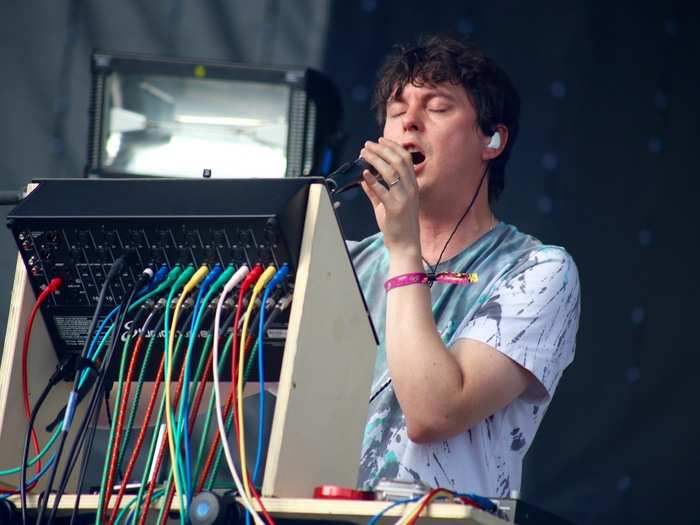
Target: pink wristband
column 422, row 278
column 406, row 279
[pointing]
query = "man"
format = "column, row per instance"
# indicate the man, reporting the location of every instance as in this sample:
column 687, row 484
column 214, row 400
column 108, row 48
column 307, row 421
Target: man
column 465, row 371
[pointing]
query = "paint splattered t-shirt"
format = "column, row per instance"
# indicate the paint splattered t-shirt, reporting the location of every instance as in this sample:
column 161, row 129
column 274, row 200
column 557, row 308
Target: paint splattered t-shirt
column 526, row 305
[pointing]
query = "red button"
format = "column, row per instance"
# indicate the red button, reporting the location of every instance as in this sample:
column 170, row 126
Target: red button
column 336, row 492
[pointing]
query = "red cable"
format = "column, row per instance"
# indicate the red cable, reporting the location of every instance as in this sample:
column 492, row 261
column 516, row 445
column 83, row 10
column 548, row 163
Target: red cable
column 257, row 498
column 246, row 284
column 139, row 439
column 126, row 388
column 193, row 416
column 230, row 404
column 54, row 285
column 253, row 275
column 425, row 503
column 153, row 483
column 249, row 280
column 210, row 459
column 152, row 486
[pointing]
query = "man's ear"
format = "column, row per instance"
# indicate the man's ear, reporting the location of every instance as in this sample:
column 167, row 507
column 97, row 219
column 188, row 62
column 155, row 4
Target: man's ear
column 496, row 143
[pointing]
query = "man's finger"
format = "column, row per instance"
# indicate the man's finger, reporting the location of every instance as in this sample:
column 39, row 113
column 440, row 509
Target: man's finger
column 397, row 148
column 375, row 191
column 373, row 199
column 385, row 170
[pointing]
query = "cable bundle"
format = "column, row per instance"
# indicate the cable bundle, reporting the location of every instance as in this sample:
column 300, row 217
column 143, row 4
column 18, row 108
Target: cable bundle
column 181, row 302
column 421, row 502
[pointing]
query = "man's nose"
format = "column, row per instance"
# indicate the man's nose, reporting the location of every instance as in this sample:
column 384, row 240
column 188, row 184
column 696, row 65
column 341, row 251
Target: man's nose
column 412, row 119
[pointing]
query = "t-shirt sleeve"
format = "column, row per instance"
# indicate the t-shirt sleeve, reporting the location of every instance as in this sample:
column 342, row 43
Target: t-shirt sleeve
column 531, row 315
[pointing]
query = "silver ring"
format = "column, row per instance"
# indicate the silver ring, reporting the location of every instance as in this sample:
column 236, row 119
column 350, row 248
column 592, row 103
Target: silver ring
column 394, row 182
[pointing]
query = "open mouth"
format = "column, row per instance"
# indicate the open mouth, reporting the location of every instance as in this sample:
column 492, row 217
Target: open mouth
column 417, row 157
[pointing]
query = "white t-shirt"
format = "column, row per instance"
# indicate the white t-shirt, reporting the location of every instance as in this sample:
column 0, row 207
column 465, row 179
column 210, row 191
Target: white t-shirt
column 526, row 305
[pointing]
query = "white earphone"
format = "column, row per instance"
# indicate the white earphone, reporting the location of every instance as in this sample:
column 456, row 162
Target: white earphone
column 495, row 141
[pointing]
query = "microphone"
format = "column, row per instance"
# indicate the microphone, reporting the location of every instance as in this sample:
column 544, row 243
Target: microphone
column 349, row 174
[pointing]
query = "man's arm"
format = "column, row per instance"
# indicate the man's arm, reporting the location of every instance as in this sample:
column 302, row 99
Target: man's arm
column 442, row 392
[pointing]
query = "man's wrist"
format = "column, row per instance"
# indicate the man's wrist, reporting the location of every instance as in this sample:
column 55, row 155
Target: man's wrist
column 405, row 261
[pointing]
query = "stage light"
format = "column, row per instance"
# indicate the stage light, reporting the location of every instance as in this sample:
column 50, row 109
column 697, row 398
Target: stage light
column 175, row 118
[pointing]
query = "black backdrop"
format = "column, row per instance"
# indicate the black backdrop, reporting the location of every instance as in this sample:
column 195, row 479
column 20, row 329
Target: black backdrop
column 605, row 165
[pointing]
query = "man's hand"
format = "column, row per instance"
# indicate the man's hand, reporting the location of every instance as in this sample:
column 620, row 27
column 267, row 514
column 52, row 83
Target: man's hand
column 395, row 208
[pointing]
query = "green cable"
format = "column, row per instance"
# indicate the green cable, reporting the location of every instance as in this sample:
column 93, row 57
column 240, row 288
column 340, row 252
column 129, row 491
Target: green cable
column 219, row 283
column 179, row 437
column 205, row 430
column 33, row 460
column 219, row 454
column 57, row 432
column 166, row 491
column 123, row 511
column 176, row 354
column 210, row 409
column 172, row 276
column 180, row 283
column 204, row 354
column 113, row 429
column 229, row 420
column 137, row 397
column 151, row 453
column 202, row 361
column 122, row 370
column 154, row 439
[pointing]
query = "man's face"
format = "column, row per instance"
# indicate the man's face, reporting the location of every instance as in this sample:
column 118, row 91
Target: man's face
column 440, row 122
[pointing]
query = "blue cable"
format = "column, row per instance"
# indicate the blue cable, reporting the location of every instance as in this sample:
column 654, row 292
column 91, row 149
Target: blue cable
column 158, row 278
column 184, row 397
column 91, row 348
column 160, row 275
column 41, row 472
column 378, row 516
column 276, row 280
column 483, row 502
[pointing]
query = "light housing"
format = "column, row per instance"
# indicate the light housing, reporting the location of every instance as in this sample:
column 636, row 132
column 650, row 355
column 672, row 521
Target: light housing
column 170, row 117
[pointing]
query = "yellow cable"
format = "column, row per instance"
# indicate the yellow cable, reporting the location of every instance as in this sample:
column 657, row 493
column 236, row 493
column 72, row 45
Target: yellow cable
column 191, row 284
column 408, row 518
column 262, row 282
